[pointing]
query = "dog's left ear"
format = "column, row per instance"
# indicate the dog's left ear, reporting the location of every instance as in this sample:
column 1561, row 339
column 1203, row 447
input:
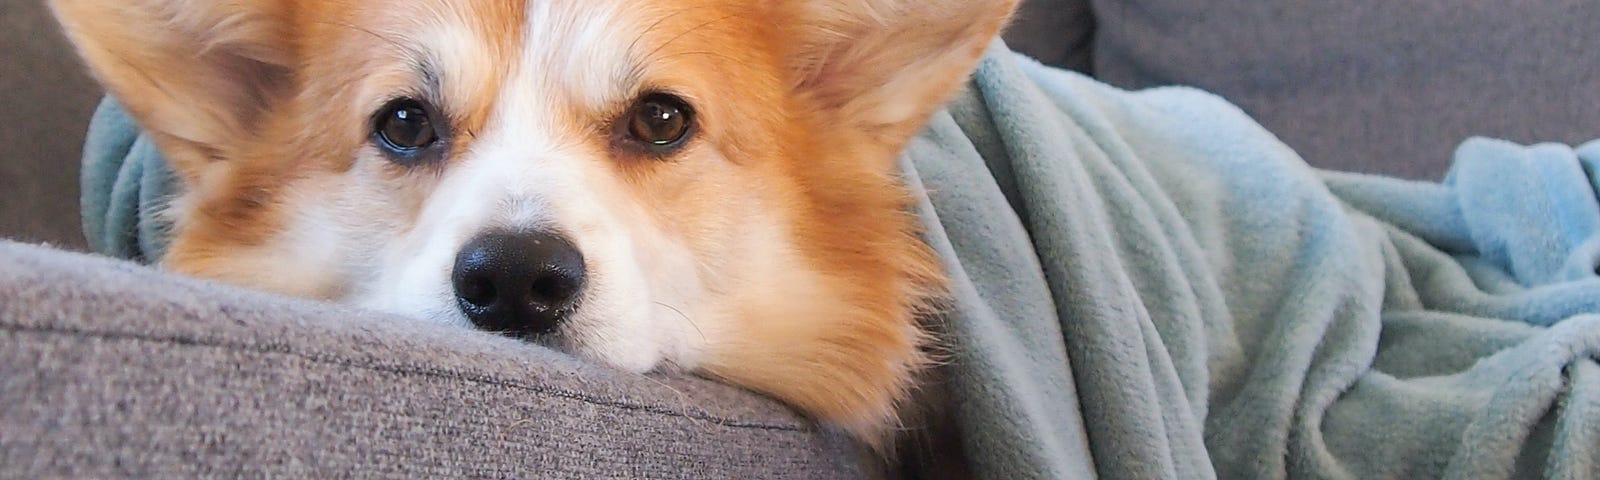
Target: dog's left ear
column 882, row 67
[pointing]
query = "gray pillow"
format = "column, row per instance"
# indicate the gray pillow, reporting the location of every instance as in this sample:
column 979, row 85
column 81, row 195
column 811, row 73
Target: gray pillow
column 1371, row 86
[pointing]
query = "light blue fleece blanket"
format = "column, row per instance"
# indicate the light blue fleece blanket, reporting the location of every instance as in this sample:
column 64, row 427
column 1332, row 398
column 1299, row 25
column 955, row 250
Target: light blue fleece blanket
column 1149, row 285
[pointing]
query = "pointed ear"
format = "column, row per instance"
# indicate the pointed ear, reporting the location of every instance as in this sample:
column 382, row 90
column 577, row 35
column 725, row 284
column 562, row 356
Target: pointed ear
column 196, row 74
column 883, row 67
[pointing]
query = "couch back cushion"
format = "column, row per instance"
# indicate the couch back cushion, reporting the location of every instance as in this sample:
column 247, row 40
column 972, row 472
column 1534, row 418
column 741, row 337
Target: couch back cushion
column 47, row 97
column 1369, row 85
column 1056, row 32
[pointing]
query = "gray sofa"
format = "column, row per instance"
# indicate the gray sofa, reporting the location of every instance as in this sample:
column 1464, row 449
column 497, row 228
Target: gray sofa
column 109, row 369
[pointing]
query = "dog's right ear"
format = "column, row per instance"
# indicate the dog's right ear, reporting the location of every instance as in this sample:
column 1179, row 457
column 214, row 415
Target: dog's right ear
column 196, row 74
column 880, row 68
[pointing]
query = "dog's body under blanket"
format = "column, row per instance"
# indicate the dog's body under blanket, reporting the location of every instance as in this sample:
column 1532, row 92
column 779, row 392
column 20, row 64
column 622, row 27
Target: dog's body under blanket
column 1149, row 285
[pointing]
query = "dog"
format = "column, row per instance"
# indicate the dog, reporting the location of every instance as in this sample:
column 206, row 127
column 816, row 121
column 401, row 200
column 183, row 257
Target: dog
column 693, row 185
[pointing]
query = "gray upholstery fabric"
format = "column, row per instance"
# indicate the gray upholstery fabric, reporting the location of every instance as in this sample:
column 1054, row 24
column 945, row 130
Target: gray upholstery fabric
column 46, row 97
column 1371, row 86
column 1055, row 32
column 111, row 370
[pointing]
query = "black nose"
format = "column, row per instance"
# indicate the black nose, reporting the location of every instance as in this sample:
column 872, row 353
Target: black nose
column 518, row 283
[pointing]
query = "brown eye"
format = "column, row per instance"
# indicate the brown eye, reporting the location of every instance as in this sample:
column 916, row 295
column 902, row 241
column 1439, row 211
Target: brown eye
column 403, row 127
column 660, row 120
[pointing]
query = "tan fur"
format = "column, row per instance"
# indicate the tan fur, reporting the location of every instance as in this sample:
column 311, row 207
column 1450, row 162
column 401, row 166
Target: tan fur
column 789, row 203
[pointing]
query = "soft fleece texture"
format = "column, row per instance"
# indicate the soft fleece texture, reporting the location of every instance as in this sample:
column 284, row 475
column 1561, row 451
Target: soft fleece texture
column 1150, row 285
column 1217, row 309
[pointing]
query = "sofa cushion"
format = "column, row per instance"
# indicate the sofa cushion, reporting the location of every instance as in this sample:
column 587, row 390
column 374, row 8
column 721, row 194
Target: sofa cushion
column 109, row 369
column 1376, row 87
column 47, row 95
column 1058, row 33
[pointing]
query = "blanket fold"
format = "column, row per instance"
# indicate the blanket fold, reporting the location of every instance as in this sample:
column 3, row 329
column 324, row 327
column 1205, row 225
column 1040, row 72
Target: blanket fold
column 1149, row 285
column 1214, row 308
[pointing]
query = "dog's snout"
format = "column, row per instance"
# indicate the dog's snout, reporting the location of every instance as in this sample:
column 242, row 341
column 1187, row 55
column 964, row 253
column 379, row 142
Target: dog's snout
column 518, row 283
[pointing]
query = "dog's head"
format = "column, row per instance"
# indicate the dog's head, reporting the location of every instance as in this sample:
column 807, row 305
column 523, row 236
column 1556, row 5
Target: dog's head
column 706, row 185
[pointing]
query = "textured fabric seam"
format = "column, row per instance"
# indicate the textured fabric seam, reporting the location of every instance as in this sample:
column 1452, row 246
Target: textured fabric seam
column 437, row 373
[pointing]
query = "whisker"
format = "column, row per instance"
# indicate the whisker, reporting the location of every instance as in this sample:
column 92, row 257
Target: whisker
column 713, row 54
column 646, row 31
column 683, row 398
column 384, row 39
column 687, row 32
column 685, row 318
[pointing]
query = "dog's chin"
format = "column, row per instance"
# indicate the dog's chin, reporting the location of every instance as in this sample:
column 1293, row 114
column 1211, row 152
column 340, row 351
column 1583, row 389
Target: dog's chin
column 618, row 353
column 623, row 332
column 574, row 340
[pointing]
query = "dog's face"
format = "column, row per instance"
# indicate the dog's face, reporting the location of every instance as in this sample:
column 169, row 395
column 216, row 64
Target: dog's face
column 706, row 185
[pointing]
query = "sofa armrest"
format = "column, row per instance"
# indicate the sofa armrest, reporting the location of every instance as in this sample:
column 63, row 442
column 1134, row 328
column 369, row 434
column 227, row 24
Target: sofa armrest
column 111, row 369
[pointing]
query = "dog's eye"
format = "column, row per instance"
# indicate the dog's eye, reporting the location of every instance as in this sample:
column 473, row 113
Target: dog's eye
column 403, row 127
column 660, row 120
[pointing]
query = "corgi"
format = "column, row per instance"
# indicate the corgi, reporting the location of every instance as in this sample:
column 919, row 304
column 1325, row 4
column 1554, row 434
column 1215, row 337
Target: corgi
column 695, row 185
